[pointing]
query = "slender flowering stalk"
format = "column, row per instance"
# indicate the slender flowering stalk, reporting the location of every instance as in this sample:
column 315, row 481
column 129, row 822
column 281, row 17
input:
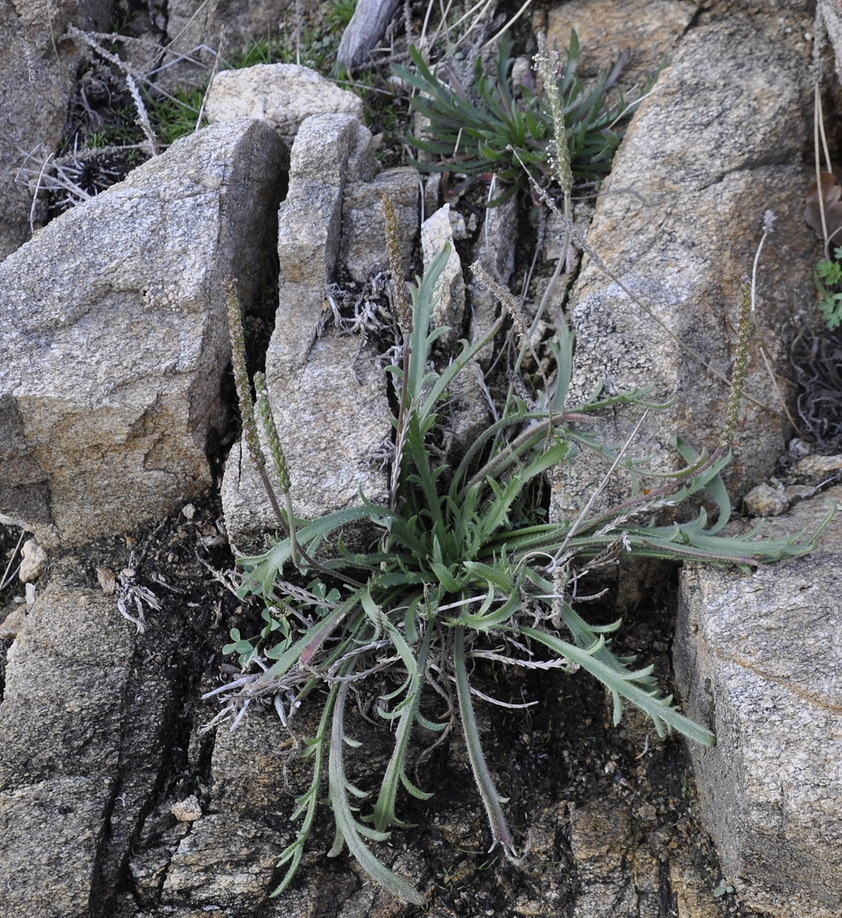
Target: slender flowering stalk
column 748, row 301
column 559, row 152
column 738, row 375
column 241, row 376
column 508, row 302
column 559, row 148
column 264, row 409
column 769, row 219
column 244, row 399
column 403, row 311
column 403, row 307
column 505, row 298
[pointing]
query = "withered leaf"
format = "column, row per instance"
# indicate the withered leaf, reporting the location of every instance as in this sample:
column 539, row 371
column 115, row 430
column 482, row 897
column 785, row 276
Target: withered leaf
column 831, row 201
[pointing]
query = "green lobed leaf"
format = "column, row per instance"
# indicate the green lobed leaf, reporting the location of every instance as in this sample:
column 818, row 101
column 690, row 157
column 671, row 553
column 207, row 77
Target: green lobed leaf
column 619, row 681
column 349, row 831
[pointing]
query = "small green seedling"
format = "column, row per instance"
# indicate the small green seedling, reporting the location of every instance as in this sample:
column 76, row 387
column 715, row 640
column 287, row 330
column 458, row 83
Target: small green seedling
column 828, row 278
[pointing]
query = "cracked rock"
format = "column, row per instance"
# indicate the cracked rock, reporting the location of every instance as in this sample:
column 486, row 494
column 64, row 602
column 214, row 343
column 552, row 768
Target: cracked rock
column 114, row 336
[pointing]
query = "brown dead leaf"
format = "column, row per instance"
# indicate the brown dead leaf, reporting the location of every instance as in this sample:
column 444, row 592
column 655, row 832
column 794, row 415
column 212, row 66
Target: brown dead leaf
column 831, row 202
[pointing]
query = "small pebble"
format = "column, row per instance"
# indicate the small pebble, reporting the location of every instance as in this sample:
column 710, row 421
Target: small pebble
column 187, row 810
column 764, row 500
column 816, row 469
column 33, row 561
column 12, row 623
column 107, row 580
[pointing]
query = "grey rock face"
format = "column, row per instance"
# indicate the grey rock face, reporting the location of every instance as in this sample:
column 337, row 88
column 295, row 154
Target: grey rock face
column 115, row 339
column 496, row 254
column 66, row 854
column 678, row 224
column 831, row 17
column 327, row 392
column 652, row 28
column 282, row 94
column 37, row 73
column 362, row 251
column 213, row 865
column 201, row 29
column 436, row 233
column 60, row 726
column 91, row 731
column 230, row 854
column 48, row 19
column 759, row 659
column 43, row 739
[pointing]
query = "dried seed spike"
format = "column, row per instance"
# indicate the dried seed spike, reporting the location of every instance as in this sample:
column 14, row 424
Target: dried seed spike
column 559, row 154
column 402, row 306
column 274, row 441
column 738, row 375
column 504, row 296
column 241, row 377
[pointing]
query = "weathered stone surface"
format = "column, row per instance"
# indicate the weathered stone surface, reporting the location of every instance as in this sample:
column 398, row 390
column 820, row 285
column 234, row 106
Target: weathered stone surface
column 37, row 72
column 255, row 766
column 229, row 865
column 759, row 659
column 94, row 722
column 333, row 416
column 495, row 251
column 362, row 249
column 33, row 562
column 436, row 233
column 649, row 29
column 766, row 500
column 330, row 151
column 50, row 835
column 62, row 704
column 115, row 339
column 831, row 17
column 60, row 727
column 46, row 20
column 201, row 29
column 816, row 469
column 229, row 855
column 282, row 94
column 677, row 224
column 327, row 394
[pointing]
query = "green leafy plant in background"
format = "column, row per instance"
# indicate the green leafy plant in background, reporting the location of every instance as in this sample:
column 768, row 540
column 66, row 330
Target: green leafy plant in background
column 149, row 116
column 170, row 116
column 340, row 14
column 462, row 565
column 504, row 129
